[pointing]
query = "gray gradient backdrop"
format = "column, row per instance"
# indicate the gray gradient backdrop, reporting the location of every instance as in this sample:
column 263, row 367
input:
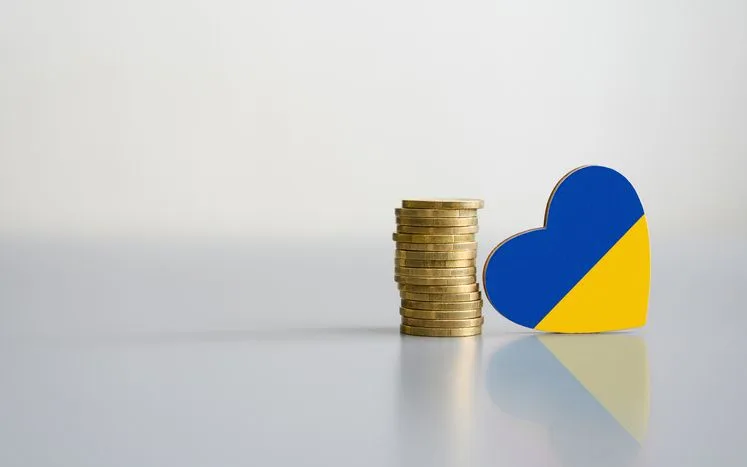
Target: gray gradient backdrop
column 294, row 118
column 196, row 201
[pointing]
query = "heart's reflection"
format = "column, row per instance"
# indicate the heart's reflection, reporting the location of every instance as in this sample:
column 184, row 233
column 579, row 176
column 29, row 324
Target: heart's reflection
column 591, row 392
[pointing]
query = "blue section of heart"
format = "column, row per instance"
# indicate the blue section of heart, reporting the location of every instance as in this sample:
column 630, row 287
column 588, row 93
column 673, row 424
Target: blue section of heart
column 590, row 210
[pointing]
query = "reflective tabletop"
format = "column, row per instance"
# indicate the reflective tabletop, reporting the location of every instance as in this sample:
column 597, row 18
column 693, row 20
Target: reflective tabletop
column 212, row 354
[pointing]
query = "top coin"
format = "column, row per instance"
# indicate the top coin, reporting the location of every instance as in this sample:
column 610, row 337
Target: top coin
column 442, row 203
column 400, row 212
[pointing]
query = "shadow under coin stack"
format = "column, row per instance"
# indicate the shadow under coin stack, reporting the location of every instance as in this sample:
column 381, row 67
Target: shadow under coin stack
column 434, row 267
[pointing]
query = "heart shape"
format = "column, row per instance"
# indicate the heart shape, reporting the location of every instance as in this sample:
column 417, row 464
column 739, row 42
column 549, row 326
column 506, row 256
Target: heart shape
column 587, row 269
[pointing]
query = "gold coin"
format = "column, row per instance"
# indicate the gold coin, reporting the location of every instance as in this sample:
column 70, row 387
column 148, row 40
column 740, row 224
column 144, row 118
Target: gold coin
column 443, row 323
column 435, row 212
column 442, row 306
column 443, row 203
column 430, row 314
column 418, row 238
column 437, row 246
column 419, row 263
column 443, row 289
column 428, row 272
column 441, row 297
column 437, row 221
column 440, row 332
column 414, row 229
column 413, row 280
column 435, row 255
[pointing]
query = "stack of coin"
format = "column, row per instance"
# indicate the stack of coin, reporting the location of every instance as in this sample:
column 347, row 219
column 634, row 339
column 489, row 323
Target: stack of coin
column 434, row 267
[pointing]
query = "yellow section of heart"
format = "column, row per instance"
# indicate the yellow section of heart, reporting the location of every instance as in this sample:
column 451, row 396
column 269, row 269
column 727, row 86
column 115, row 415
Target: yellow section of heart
column 613, row 295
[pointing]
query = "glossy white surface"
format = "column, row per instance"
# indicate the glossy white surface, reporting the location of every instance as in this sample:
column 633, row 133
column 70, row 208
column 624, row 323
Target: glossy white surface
column 196, row 355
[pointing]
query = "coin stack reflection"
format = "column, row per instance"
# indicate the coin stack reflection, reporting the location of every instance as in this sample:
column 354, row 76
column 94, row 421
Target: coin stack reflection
column 434, row 267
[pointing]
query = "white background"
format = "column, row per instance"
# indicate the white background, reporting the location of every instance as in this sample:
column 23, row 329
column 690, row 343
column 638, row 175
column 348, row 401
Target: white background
column 292, row 119
column 196, row 207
